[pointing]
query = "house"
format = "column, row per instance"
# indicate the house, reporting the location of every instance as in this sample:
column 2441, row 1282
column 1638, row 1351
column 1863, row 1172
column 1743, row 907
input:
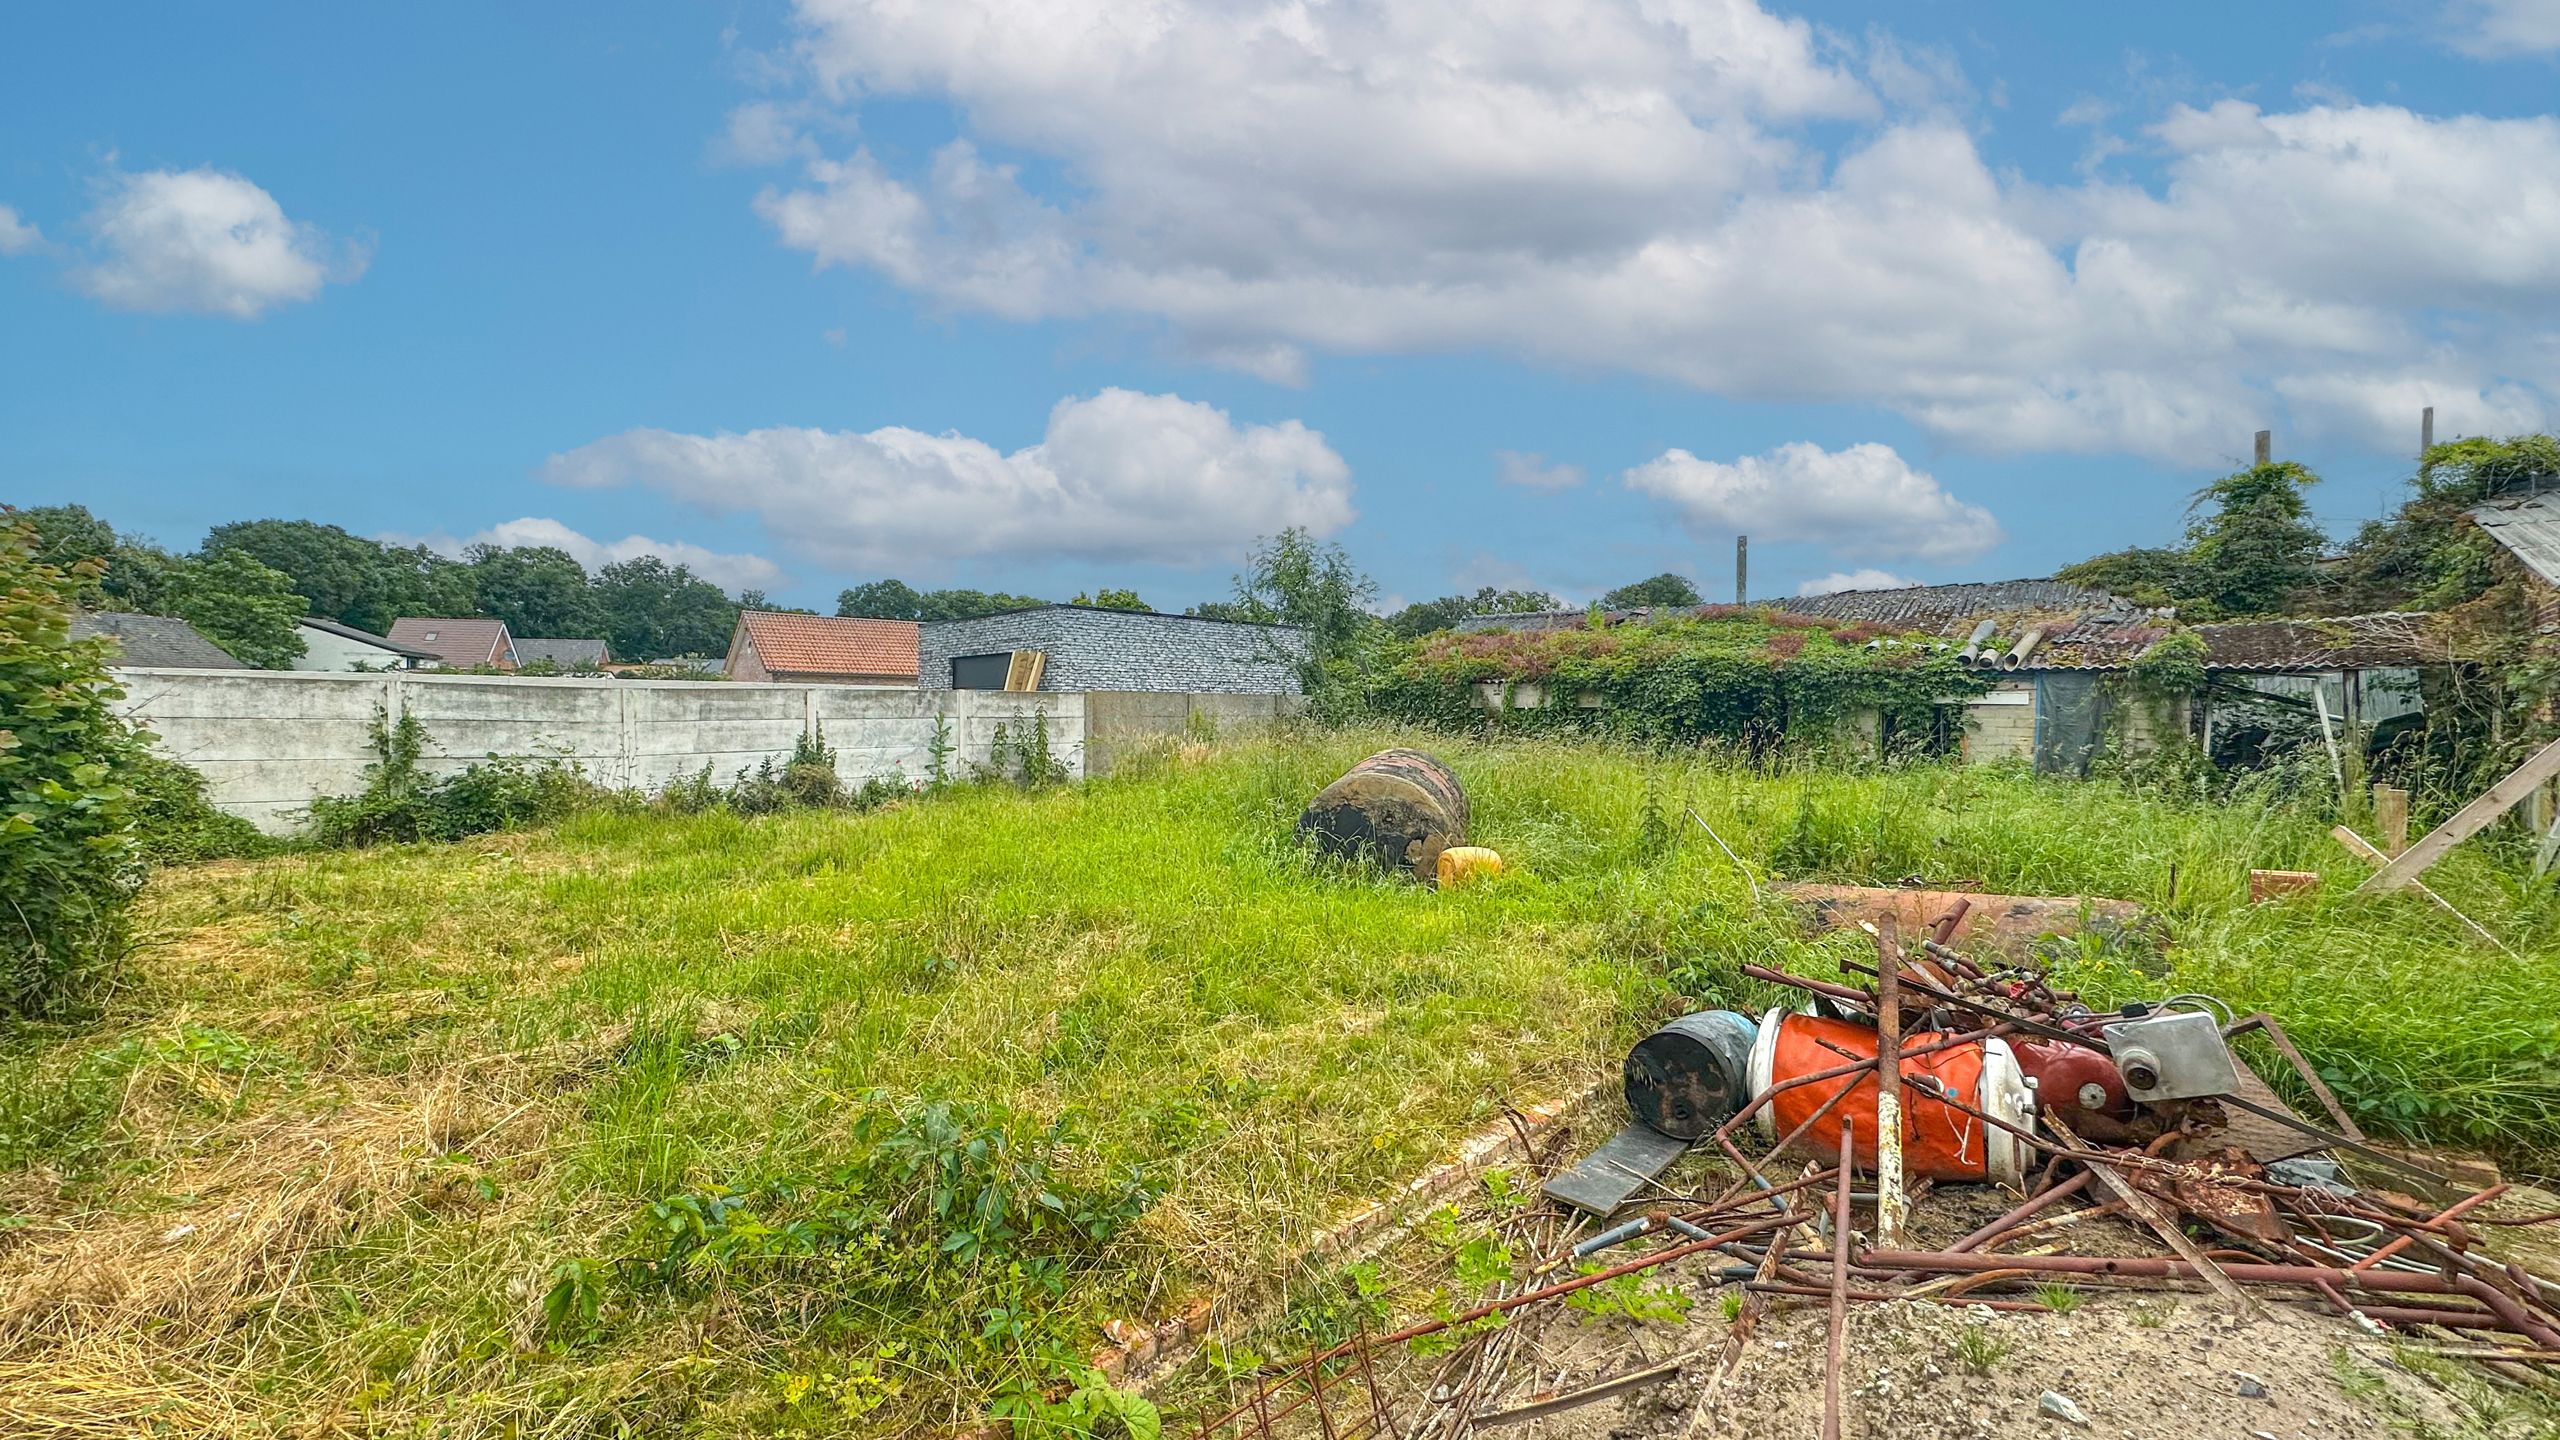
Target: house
column 153, row 641
column 328, row 645
column 470, row 642
column 823, row 649
column 1088, row 647
column 577, row 655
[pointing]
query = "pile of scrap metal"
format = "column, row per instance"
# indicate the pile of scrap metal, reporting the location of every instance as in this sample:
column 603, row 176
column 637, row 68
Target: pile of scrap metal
column 2143, row 1113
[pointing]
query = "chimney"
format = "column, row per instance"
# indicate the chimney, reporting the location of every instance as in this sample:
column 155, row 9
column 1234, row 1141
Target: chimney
column 2426, row 431
column 2266, row 446
column 1741, row 568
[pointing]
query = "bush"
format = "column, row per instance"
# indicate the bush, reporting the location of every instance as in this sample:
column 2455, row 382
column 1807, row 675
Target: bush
column 175, row 825
column 401, row 802
column 68, row 866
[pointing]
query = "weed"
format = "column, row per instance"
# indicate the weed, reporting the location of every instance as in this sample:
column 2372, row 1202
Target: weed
column 1978, row 1350
column 2059, row 1298
column 1633, row 1298
column 1729, row 1305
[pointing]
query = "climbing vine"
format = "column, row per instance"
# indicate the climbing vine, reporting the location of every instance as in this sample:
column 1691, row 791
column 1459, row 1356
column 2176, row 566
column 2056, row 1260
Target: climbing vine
column 1760, row 678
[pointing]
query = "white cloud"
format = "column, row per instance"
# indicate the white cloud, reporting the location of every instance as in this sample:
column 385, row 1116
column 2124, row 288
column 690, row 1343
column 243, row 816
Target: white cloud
column 204, row 240
column 1864, row 500
column 1639, row 184
column 762, row 132
column 728, row 571
column 1839, row 580
column 17, row 236
column 1118, row 477
column 1532, row 472
column 2501, row 29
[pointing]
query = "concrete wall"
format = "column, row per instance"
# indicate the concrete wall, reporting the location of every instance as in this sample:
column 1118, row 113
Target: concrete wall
column 1116, row 722
column 2001, row 725
column 1125, row 650
column 269, row 742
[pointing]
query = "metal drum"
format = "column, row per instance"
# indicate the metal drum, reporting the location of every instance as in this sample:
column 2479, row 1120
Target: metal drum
column 1400, row 808
column 1688, row 1077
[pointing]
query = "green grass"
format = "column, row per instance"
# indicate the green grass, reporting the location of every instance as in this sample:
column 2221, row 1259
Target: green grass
column 484, row 1064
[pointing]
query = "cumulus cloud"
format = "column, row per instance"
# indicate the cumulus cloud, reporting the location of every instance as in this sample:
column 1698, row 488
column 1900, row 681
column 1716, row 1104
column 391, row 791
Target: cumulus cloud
column 1642, row 185
column 728, row 571
column 204, row 240
column 1118, row 477
column 1532, row 472
column 1839, row 580
column 1864, row 500
column 17, row 236
column 2500, row 29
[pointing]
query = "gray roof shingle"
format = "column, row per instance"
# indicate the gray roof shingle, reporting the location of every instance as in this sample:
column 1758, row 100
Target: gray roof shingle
column 155, row 640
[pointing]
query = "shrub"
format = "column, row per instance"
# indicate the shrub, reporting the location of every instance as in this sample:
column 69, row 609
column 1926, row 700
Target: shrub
column 174, row 824
column 401, row 802
column 68, row 865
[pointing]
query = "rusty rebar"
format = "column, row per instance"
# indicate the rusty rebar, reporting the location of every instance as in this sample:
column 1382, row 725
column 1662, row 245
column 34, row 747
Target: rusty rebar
column 1839, row 1343
column 2022, row 1214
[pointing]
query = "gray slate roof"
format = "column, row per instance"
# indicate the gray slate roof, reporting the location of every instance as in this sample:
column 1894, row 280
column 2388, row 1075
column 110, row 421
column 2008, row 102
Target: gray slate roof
column 2529, row 526
column 567, row 654
column 1929, row 607
column 155, row 640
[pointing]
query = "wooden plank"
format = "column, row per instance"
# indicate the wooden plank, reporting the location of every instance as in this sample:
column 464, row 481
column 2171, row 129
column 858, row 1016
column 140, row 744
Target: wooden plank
column 2391, row 817
column 2473, row 818
column 2363, row 850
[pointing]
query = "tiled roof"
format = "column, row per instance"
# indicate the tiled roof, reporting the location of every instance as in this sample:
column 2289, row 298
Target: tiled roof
column 2529, row 526
column 464, row 640
column 363, row 637
column 154, row 640
column 567, row 654
column 832, row 645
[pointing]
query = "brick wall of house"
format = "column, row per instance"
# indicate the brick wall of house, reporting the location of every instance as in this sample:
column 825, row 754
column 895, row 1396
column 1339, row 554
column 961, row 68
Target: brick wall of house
column 1095, row 649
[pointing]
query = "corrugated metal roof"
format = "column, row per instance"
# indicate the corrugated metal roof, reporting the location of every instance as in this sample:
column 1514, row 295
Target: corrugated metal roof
column 2529, row 526
column 154, row 640
column 2347, row 642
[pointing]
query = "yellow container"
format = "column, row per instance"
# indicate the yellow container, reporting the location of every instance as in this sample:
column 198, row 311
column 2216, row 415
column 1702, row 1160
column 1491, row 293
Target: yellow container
column 1461, row 863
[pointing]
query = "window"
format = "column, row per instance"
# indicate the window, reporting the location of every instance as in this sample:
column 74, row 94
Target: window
column 980, row 672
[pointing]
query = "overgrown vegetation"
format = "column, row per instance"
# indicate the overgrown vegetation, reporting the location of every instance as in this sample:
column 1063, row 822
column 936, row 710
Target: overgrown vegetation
column 68, row 866
column 645, row 1121
column 402, row 802
column 1761, row 679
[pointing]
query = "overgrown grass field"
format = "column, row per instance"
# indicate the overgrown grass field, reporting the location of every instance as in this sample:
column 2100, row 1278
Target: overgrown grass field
column 826, row 1123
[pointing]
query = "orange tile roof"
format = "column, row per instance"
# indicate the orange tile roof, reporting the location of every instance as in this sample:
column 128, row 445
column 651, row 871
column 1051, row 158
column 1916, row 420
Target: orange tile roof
column 832, row 645
column 461, row 640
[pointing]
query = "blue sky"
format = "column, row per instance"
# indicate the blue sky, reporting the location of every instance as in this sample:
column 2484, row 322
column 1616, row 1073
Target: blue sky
column 1927, row 291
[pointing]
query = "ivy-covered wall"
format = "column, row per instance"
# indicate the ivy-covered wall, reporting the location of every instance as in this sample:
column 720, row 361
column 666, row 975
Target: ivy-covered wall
column 1753, row 677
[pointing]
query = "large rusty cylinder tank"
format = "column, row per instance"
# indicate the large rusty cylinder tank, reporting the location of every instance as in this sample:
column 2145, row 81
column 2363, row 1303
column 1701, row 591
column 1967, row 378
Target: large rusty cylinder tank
column 1688, row 1077
column 1400, row 808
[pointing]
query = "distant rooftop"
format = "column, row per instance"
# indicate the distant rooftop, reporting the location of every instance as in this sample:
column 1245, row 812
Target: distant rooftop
column 567, row 654
column 1942, row 609
column 2529, row 526
column 160, row 641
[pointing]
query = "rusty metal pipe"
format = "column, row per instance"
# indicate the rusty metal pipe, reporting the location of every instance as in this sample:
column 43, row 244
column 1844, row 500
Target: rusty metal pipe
column 1839, row 1343
column 2501, row 1303
column 2022, row 1214
column 2450, row 1212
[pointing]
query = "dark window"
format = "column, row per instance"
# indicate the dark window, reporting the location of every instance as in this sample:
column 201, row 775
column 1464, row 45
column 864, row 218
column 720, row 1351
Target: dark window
column 980, row 672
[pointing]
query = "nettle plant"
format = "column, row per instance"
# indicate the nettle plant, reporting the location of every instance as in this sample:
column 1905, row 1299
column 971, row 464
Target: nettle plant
column 1760, row 678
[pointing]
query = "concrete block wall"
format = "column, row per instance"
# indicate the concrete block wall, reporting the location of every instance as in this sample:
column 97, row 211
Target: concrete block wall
column 1117, row 721
column 269, row 742
column 2001, row 725
column 1123, row 650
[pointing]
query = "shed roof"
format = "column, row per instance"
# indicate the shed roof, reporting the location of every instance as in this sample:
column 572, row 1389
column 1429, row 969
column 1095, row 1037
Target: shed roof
column 456, row 640
column 567, row 654
column 1929, row 607
column 364, row 637
column 832, row 644
column 2529, row 526
column 154, row 640
column 2285, row 647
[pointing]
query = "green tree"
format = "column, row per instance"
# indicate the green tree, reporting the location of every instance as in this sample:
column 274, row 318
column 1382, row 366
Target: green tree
column 2256, row 547
column 68, row 865
column 881, row 600
column 129, row 573
column 652, row 610
column 758, row 600
column 1291, row 579
column 539, row 590
column 2426, row 557
column 238, row 604
column 896, row 600
column 1111, row 600
column 1448, row 610
column 348, row 578
column 1665, row 589
column 2145, row 575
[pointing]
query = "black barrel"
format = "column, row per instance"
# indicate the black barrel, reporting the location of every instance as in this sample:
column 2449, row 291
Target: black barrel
column 1688, row 1077
column 1400, row 808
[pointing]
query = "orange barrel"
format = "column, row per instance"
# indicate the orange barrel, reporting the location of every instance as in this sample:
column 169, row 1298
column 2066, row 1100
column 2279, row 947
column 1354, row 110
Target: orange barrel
column 1938, row 1140
column 1400, row 808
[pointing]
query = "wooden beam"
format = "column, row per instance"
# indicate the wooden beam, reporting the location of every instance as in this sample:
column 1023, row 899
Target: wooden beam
column 2470, row 820
column 2363, row 850
column 2391, row 817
